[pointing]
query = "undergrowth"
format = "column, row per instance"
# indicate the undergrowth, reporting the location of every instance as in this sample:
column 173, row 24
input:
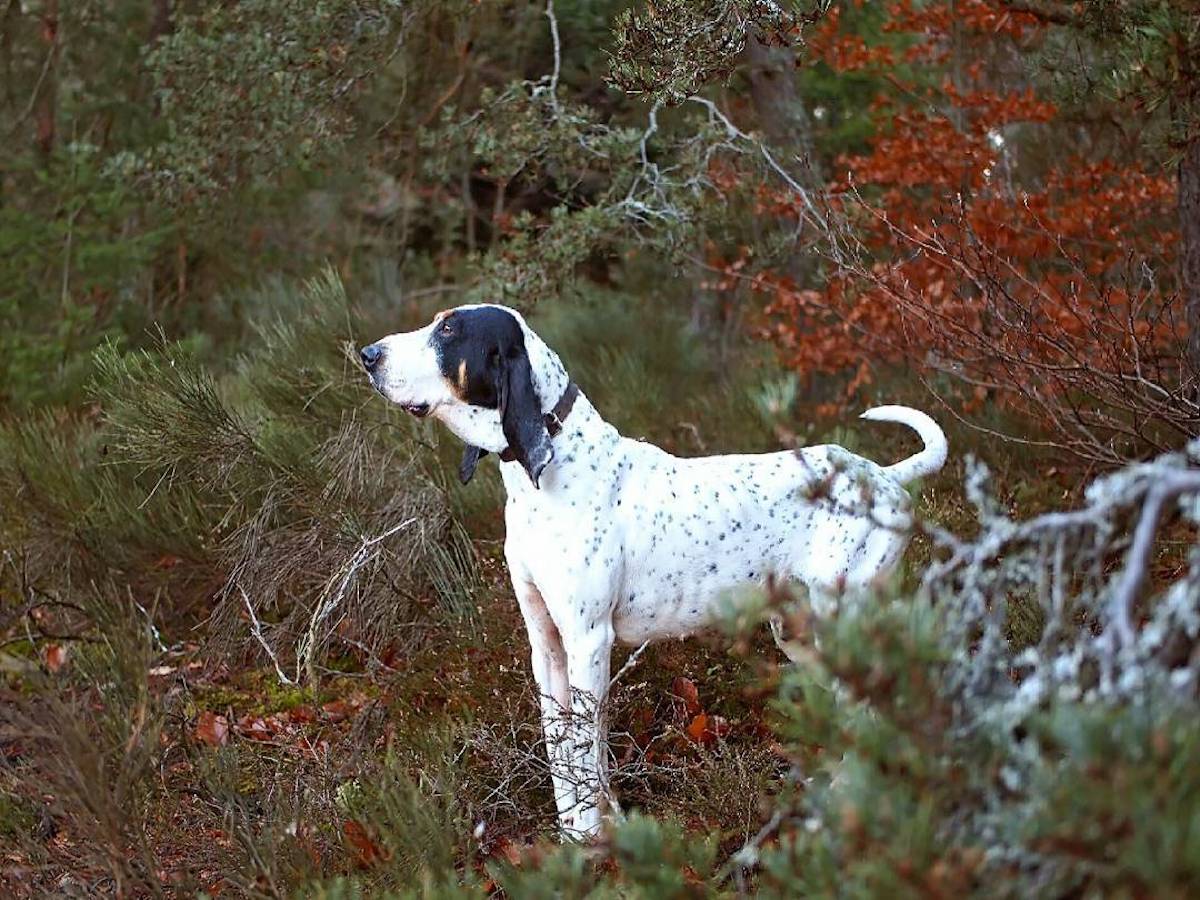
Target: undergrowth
column 221, row 684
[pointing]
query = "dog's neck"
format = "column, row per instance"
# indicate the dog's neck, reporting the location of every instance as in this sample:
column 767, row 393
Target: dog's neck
column 478, row 426
column 585, row 446
column 549, row 375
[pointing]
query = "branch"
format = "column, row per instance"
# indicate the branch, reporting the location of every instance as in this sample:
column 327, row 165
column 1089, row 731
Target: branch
column 557, row 55
column 330, row 600
column 629, row 664
column 1138, row 561
column 735, row 133
column 257, row 629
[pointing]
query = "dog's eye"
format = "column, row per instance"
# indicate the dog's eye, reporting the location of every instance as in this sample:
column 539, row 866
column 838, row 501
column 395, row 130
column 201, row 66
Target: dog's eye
column 446, row 328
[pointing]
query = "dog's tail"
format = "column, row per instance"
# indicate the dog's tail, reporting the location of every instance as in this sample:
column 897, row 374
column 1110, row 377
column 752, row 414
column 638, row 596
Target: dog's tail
column 929, row 460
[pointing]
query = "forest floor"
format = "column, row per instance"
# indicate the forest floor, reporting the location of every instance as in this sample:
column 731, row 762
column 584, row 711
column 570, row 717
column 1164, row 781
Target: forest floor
column 689, row 725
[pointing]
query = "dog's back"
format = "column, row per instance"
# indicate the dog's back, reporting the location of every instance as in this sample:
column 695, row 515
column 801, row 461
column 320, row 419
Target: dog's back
column 694, row 529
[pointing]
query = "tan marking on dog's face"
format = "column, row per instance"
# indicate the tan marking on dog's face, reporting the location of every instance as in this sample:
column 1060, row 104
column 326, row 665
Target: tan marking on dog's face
column 458, row 384
column 441, row 314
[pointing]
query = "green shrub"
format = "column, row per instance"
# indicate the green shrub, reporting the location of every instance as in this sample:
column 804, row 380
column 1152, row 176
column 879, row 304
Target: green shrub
column 281, row 490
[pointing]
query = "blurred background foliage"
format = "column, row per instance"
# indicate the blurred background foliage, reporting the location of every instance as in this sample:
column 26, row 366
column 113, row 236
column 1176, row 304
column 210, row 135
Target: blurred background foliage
column 253, row 635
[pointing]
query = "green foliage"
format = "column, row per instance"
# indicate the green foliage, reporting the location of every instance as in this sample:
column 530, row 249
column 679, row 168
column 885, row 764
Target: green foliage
column 278, row 479
column 1137, row 56
column 655, row 377
column 240, row 486
column 250, row 91
column 842, row 103
column 649, row 858
column 59, row 272
column 417, row 819
column 672, row 50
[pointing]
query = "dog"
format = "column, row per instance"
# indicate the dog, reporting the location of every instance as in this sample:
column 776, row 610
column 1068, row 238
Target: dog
column 610, row 538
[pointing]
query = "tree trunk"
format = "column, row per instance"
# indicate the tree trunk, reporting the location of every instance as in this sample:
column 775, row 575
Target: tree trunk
column 771, row 71
column 160, row 21
column 1189, row 222
column 785, row 123
column 46, row 111
column 787, row 130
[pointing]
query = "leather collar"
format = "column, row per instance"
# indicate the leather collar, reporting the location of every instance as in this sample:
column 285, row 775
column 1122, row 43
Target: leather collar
column 553, row 419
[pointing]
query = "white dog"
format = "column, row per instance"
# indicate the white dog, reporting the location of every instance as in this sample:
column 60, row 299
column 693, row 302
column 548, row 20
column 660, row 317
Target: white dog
column 611, row 538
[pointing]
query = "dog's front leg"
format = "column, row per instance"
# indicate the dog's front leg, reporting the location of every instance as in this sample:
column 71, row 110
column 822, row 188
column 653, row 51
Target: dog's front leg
column 589, row 652
column 548, row 660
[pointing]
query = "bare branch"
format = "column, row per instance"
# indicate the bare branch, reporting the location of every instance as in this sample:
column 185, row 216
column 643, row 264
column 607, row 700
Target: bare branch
column 1137, row 562
column 331, row 599
column 256, row 630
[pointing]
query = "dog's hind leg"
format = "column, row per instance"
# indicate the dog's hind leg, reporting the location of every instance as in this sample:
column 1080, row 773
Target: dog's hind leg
column 790, row 649
column 819, row 601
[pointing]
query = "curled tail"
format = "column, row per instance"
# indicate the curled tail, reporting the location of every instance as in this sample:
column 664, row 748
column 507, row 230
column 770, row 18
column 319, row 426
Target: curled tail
column 929, row 460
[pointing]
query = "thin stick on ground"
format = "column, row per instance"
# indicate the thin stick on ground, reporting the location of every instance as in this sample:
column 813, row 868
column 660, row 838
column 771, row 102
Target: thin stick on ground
column 330, row 601
column 256, row 630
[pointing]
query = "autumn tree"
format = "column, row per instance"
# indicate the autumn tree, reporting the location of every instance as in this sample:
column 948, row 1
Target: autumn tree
column 1142, row 56
column 1045, row 284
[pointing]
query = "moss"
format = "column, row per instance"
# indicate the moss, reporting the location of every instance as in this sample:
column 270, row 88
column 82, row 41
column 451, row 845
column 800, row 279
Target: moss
column 1026, row 619
column 17, row 816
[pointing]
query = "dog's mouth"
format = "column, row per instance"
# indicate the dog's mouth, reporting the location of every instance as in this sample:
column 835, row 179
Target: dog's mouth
column 420, row 410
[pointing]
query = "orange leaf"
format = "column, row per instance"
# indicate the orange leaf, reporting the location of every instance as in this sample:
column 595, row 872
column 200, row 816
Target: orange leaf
column 366, row 851
column 685, row 690
column 337, row 710
column 56, row 657
column 301, row 714
column 508, row 851
column 344, row 708
column 212, row 729
column 704, row 729
column 254, row 727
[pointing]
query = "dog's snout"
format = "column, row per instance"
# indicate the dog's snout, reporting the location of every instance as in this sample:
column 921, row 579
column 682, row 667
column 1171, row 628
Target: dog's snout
column 370, row 356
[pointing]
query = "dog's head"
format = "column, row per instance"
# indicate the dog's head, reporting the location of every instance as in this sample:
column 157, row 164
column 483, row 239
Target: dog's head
column 483, row 372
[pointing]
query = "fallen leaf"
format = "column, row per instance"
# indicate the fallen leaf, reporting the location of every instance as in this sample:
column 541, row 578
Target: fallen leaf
column 212, row 729
column 337, row 710
column 509, row 851
column 56, row 657
column 366, row 851
column 704, row 729
column 301, row 714
column 685, row 690
column 255, row 728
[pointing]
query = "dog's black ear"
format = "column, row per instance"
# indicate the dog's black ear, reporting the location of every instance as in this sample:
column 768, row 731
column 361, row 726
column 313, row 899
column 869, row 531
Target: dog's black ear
column 521, row 413
column 471, row 458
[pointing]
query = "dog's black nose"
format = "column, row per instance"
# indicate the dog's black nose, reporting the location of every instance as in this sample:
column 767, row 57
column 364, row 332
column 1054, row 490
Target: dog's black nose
column 370, row 355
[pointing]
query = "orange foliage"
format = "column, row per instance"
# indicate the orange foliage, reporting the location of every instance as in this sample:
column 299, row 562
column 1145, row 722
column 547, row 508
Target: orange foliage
column 955, row 261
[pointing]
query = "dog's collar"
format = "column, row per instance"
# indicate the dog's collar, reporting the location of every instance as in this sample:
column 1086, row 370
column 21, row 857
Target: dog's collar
column 553, row 419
